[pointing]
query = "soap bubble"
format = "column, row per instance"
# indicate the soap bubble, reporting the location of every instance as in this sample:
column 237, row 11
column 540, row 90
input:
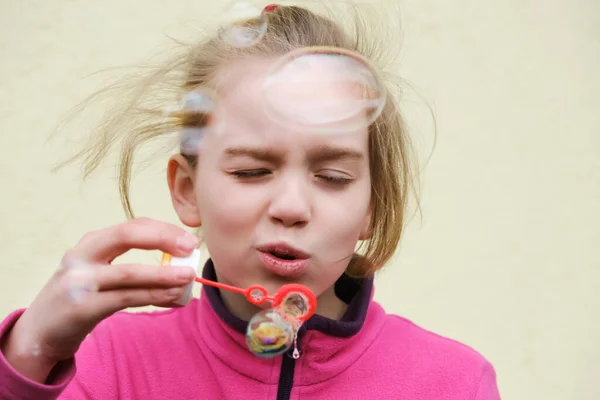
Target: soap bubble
column 257, row 295
column 36, row 350
column 79, row 281
column 190, row 140
column 196, row 116
column 323, row 90
column 198, row 101
column 294, row 305
column 243, row 24
column 269, row 334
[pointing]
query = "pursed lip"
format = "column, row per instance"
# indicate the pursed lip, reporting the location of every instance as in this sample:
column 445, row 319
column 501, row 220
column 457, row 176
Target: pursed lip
column 283, row 248
column 289, row 268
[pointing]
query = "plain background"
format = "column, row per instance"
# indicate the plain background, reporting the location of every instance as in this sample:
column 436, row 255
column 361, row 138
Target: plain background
column 505, row 257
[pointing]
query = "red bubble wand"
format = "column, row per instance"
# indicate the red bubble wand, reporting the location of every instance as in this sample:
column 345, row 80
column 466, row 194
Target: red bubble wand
column 272, row 331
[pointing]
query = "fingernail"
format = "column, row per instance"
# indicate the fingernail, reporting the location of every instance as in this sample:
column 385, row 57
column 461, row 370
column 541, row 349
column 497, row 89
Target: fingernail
column 184, row 273
column 175, row 292
column 187, row 242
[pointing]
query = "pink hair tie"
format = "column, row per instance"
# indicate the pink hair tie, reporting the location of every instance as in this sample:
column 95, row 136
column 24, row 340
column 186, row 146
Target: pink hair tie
column 270, row 7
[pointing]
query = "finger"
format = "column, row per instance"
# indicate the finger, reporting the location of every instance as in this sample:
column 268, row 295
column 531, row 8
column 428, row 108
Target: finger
column 147, row 234
column 142, row 276
column 108, row 302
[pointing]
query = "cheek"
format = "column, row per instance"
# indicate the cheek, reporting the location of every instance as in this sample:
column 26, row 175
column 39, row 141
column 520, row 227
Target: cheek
column 343, row 219
column 225, row 209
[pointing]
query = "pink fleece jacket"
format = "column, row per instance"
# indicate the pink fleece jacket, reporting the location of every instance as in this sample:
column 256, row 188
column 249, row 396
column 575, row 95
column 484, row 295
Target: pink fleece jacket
column 199, row 352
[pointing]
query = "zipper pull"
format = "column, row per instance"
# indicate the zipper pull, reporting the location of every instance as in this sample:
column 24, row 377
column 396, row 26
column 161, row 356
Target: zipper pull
column 296, row 352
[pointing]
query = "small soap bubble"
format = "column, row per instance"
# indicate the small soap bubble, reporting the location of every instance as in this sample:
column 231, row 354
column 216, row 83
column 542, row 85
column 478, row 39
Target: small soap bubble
column 257, row 295
column 243, row 24
column 294, row 305
column 197, row 118
column 323, row 90
column 269, row 334
column 190, row 140
column 198, row 101
column 79, row 280
column 36, row 350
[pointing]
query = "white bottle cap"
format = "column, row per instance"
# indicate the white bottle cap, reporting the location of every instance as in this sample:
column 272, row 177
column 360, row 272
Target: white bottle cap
column 192, row 261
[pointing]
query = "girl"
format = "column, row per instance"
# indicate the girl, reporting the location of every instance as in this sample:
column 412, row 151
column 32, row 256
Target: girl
column 278, row 203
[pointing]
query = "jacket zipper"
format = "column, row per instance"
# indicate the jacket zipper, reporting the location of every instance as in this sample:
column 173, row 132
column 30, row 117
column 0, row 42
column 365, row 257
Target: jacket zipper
column 286, row 375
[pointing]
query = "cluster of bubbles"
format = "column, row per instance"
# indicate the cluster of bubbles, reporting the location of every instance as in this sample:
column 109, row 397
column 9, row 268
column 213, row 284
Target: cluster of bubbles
column 273, row 331
column 197, row 113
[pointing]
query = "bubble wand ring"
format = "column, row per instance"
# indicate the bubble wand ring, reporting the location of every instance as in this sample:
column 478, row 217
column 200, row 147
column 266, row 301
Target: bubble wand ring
column 253, row 296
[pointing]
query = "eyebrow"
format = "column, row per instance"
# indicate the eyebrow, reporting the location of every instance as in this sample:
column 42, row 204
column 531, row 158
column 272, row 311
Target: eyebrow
column 327, row 153
column 258, row 153
column 316, row 155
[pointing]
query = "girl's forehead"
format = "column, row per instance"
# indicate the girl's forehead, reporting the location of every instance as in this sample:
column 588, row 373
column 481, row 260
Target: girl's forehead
column 247, row 92
column 245, row 127
column 246, row 132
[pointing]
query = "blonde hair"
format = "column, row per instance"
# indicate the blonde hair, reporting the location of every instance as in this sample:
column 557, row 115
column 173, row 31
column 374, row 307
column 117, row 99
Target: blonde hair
column 139, row 119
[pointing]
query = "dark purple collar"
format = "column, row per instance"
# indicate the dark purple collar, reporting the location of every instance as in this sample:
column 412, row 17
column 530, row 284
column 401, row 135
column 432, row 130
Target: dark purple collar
column 354, row 292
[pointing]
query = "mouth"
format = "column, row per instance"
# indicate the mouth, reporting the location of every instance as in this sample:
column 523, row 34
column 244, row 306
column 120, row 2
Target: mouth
column 283, row 259
column 283, row 251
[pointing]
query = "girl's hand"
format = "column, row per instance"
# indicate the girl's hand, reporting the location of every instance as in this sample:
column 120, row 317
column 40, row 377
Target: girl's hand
column 53, row 327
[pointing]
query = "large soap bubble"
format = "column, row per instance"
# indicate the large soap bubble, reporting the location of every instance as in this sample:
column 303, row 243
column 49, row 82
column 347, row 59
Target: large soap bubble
column 269, row 333
column 323, row 90
column 273, row 331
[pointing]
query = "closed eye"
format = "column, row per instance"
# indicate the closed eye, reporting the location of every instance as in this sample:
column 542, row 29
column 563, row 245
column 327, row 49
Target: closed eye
column 250, row 173
column 335, row 180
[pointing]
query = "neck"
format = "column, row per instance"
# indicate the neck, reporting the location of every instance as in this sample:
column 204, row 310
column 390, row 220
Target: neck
column 357, row 293
column 238, row 305
column 330, row 306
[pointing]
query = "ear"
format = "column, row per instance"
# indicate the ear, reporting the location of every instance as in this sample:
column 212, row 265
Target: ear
column 366, row 232
column 180, row 178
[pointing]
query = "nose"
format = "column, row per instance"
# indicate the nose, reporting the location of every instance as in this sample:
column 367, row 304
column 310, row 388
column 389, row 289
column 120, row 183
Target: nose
column 290, row 203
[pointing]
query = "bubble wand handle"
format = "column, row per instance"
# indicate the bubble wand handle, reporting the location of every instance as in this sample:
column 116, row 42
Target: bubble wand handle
column 220, row 285
column 255, row 294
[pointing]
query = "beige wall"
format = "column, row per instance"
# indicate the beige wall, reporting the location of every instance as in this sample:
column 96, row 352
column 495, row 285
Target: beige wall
column 506, row 256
